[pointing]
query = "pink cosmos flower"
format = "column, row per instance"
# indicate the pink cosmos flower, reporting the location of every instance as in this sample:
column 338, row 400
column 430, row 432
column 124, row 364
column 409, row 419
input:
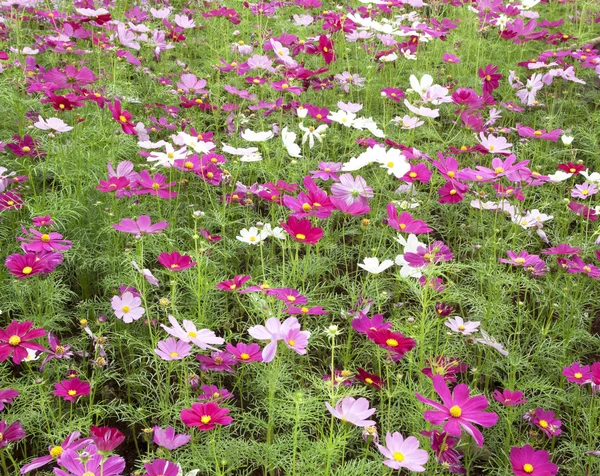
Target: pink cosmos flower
column 356, row 209
column 12, row 432
column 459, row 409
column 56, row 351
column 156, row 186
column 71, row 388
column 302, row 231
column 521, row 259
column 355, row 411
column 16, row 339
column 403, row 453
column 274, row 331
column 583, row 211
column 203, row 338
column 217, row 362
column 547, row 422
column 105, row 438
column 327, row 171
column 494, row 145
column 457, row 324
column 71, row 442
column 45, row 220
column 585, row 190
column 394, row 342
column 352, row 189
column 490, row 79
column 123, row 117
column 168, row 439
column 449, row 58
column 526, row 461
column 175, row 261
column 205, row 416
column 214, row 393
column 234, row 284
column 562, row 249
column 526, row 131
column 405, row 222
column 161, row 467
column 245, row 352
column 287, row 295
column 141, row 226
column 444, row 446
column 577, row 265
column 7, row 396
column 36, row 242
column 305, row 311
column 127, row 307
column 172, row 349
column 364, row 324
column 95, row 464
column 296, row 340
column 577, row 374
column 509, row 398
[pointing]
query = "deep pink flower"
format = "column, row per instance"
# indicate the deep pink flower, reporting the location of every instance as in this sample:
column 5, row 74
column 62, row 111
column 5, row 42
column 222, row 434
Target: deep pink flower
column 325, row 47
column 583, row 211
column 509, row 398
column 161, row 467
column 168, row 439
column 394, row 94
column 302, row 231
column 490, row 78
column 16, row 339
column 445, row 367
column 7, row 396
column 364, row 324
column 327, row 171
column 526, row 131
column 25, row 147
column 12, row 432
column 10, row 201
column 23, row 266
column 123, row 117
column 45, row 220
column 142, row 226
column 105, row 438
column 71, row 388
column 245, row 352
column 443, row 446
column 56, row 351
column 287, row 295
column 521, row 259
column 452, row 192
column 450, row 58
column 434, row 253
column 305, row 311
column 214, row 393
column 547, row 422
column 218, row 361
column 205, row 416
column 71, row 442
column 460, row 409
column 156, row 185
column 526, row 461
column 175, row 261
column 405, row 222
column 283, row 85
column 577, row 374
column 562, row 249
column 395, row 342
column 577, row 265
column 35, row 241
column 233, row 285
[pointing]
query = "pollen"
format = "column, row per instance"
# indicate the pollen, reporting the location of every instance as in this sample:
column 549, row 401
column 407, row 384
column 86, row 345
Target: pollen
column 369, row 381
column 451, row 174
column 537, row 133
column 205, row 419
column 325, row 49
column 192, row 334
column 498, row 170
column 577, row 375
column 585, row 192
column 453, row 192
column 455, row 411
column 461, row 327
column 488, row 78
column 45, row 238
column 392, row 342
column 188, row 165
column 155, row 186
column 292, row 342
column 285, row 86
column 88, row 473
column 587, row 269
column 122, row 118
column 62, row 106
column 463, row 147
column 72, row 393
column 174, row 265
column 544, row 424
column 291, row 298
column 572, row 170
column 398, row 456
column 244, row 356
column 14, row 340
column 210, row 175
column 390, row 164
column 402, row 226
column 306, row 207
column 125, row 308
column 256, row 81
column 233, row 286
column 56, row 451
column 528, row 468
column 300, row 236
column 252, row 238
column 174, row 354
column 60, row 350
column 304, row 310
column 27, row 270
column 26, row 149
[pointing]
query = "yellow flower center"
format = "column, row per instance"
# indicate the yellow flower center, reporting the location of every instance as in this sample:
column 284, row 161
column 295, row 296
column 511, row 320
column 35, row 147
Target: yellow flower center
column 304, row 310
column 463, row 147
column 174, row 354
column 528, row 468
column 155, row 186
column 252, row 238
column 233, row 286
column 585, row 191
column 174, row 265
column 256, row 81
column 122, row 119
column 45, row 238
column 461, row 327
column 498, row 170
column 455, row 411
column 453, row 192
column 306, row 207
column 244, row 356
column 325, row 49
column 27, row 270
column 26, row 149
column 412, row 174
column 60, row 350
column 88, row 473
column 520, row 260
column 125, row 308
column 300, row 236
column 392, row 342
column 285, row 86
column 72, row 393
column 544, row 424
column 587, row 269
column 291, row 298
column 488, row 78
column 205, row 419
column 537, row 133
column 398, row 456
column 192, row 334
column 390, row 164
column 56, row 451
column 14, row 340
column 577, row 375
column 292, row 342
column 369, row 380
column 210, row 175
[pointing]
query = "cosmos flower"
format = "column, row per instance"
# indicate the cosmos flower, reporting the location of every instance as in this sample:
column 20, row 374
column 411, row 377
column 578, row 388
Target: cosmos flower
column 526, row 461
column 203, row 338
column 127, row 307
column 403, row 453
column 355, row 411
column 71, row 388
column 172, row 349
column 168, row 439
column 205, row 416
column 17, row 338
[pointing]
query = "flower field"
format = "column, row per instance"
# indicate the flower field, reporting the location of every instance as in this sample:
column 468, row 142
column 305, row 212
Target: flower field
column 299, row 237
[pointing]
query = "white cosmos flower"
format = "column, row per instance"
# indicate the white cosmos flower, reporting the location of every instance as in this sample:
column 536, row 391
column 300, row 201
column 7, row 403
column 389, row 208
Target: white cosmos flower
column 311, row 133
column 276, row 232
column 239, row 150
column 411, row 244
column 592, row 177
column 252, row 136
column 251, row 236
column 289, row 142
column 193, row 142
column 559, row 176
column 168, row 158
column 367, row 157
column 342, row 117
column 256, row 157
column 388, row 58
column 422, row 111
column 395, row 162
column 422, row 85
column 52, row 124
column 148, row 144
column 372, row 265
column 566, row 140
column 369, row 124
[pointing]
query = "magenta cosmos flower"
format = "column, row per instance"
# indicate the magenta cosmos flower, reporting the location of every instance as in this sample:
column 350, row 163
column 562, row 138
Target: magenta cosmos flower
column 71, row 442
column 36, row 242
column 509, row 398
column 302, row 231
column 205, row 416
column 234, row 284
column 355, row 411
column 245, row 352
column 547, row 422
column 172, row 349
column 71, row 388
column 30, row 264
column 175, row 261
column 12, row 432
column 405, row 222
column 161, row 467
column 96, row 465
column 168, row 439
column 526, row 461
column 403, row 453
column 16, row 339
column 459, row 408
column 578, row 374
column 127, row 307
column 7, row 396
column 56, row 351
column 105, row 438
column 141, row 226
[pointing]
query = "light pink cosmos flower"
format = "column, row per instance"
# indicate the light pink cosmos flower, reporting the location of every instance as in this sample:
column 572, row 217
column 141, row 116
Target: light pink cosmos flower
column 141, row 226
column 127, row 307
column 463, row 327
column 146, row 273
column 203, row 338
column 274, row 331
column 585, row 190
column 355, row 411
column 191, row 84
column 52, row 124
column 171, row 349
column 352, row 190
column 403, row 453
column 495, row 145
